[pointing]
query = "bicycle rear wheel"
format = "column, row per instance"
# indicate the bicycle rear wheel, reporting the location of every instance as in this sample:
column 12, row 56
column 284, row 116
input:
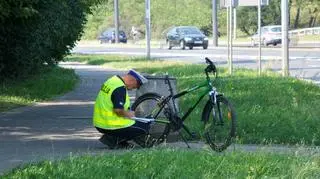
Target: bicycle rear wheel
column 147, row 106
column 220, row 123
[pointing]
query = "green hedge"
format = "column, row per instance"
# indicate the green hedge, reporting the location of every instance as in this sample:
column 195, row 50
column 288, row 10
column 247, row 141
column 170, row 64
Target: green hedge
column 34, row 33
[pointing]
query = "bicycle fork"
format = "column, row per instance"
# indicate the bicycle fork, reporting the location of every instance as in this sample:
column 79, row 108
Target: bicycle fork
column 213, row 97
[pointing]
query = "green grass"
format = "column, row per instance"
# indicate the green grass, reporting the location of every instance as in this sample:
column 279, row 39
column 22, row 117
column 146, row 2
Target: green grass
column 46, row 85
column 175, row 163
column 270, row 108
column 310, row 37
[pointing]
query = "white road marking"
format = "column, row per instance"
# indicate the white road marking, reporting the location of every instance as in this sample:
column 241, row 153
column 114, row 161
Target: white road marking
column 313, row 59
column 314, row 66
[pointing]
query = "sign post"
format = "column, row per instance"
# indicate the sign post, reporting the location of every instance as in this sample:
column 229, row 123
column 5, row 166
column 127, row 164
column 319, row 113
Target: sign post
column 234, row 3
column 148, row 27
column 230, row 37
column 116, row 20
column 214, row 23
column 284, row 41
column 229, row 4
column 259, row 31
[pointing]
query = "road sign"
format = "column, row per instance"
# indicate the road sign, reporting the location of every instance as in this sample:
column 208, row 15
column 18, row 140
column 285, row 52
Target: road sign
column 253, row 3
column 226, row 3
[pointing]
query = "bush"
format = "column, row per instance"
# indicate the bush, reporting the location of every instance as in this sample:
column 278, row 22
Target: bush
column 38, row 32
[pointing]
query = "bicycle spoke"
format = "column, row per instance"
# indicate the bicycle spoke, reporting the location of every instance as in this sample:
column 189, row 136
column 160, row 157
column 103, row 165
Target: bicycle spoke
column 148, row 106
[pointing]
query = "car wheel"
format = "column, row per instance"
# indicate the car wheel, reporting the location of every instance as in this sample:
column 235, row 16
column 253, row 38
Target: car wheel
column 191, row 47
column 110, row 41
column 182, row 45
column 205, row 46
column 169, row 45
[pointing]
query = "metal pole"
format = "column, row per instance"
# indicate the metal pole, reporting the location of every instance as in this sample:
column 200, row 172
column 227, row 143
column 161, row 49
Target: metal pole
column 231, row 55
column 285, row 44
column 259, row 31
column 148, row 33
column 214, row 23
column 228, row 35
column 234, row 23
column 116, row 20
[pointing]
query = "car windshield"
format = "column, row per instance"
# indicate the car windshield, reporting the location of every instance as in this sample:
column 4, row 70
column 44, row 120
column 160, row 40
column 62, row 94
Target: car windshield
column 276, row 29
column 190, row 31
column 113, row 31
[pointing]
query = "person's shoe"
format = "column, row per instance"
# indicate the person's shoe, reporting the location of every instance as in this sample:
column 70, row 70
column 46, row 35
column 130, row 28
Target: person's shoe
column 108, row 140
column 125, row 145
column 141, row 141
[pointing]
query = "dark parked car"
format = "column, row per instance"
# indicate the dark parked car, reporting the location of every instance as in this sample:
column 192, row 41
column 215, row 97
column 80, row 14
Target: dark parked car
column 108, row 36
column 186, row 36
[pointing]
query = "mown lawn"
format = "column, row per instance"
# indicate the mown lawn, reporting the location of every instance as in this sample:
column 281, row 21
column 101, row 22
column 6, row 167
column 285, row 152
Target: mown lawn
column 175, row 163
column 49, row 83
column 270, row 108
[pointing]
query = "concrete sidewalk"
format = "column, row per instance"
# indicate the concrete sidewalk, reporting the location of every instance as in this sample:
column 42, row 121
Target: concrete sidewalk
column 54, row 129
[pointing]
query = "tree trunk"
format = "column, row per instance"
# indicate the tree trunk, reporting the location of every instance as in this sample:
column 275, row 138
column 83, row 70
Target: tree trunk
column 289, row 9
column 314, row 21
column 311, row 21
column 296, row 21
column 245, row 30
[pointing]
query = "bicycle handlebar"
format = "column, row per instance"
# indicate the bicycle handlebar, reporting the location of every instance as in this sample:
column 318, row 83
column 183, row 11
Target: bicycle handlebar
column 211, row 67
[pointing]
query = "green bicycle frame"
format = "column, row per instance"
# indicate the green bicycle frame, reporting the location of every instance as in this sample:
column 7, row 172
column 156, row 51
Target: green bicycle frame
column 207, row 84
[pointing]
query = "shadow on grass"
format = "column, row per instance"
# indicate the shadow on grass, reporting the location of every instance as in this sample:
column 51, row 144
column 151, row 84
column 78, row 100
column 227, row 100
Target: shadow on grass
column 97, row 62
column 5, row 106
column 103, row 59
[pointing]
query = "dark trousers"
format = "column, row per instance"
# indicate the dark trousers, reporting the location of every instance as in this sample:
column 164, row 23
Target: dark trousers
column 128, row 133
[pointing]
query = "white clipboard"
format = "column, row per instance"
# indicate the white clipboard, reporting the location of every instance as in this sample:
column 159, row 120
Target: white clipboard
column 144, row 120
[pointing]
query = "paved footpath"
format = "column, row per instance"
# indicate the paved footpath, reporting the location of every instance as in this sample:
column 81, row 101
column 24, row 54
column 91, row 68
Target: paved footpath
column 56, row 129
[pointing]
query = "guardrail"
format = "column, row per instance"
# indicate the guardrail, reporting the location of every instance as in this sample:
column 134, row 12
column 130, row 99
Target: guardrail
column 305, row 31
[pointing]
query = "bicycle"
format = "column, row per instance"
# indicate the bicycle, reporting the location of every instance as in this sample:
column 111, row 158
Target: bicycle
column 218, row 115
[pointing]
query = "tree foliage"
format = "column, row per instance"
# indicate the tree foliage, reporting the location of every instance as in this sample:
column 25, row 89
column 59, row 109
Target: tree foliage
column 38, row 32
column 167, row 13
column 303, row 13
column 164, row 14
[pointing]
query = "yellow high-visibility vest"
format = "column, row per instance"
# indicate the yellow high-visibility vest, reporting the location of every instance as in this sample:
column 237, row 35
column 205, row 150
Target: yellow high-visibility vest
column 103, row 116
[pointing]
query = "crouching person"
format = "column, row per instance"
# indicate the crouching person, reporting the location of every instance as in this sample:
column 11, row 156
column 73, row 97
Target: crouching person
column 112, row 111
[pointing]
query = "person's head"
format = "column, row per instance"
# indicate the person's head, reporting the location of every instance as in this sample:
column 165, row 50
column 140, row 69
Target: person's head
column 134, row 80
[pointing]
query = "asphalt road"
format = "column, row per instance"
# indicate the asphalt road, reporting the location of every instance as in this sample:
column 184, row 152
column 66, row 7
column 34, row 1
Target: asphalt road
column 304, row 62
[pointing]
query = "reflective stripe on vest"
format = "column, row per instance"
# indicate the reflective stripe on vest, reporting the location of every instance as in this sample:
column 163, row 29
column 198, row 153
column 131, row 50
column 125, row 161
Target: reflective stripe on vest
column 104, row 116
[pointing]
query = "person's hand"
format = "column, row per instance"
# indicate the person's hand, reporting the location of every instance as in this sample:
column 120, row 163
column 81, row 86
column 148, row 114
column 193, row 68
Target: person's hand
column 130, row 114
column 124, row 113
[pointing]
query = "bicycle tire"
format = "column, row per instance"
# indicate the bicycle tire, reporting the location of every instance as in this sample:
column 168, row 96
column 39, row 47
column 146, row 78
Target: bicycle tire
column 219, row 128
column 158, row 132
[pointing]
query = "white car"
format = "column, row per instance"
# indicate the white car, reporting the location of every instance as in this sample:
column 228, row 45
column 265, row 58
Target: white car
column 270, row 35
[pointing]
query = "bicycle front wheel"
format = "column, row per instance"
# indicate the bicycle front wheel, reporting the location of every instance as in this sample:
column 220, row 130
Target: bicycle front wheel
column 220, row 123
column 147, row 106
